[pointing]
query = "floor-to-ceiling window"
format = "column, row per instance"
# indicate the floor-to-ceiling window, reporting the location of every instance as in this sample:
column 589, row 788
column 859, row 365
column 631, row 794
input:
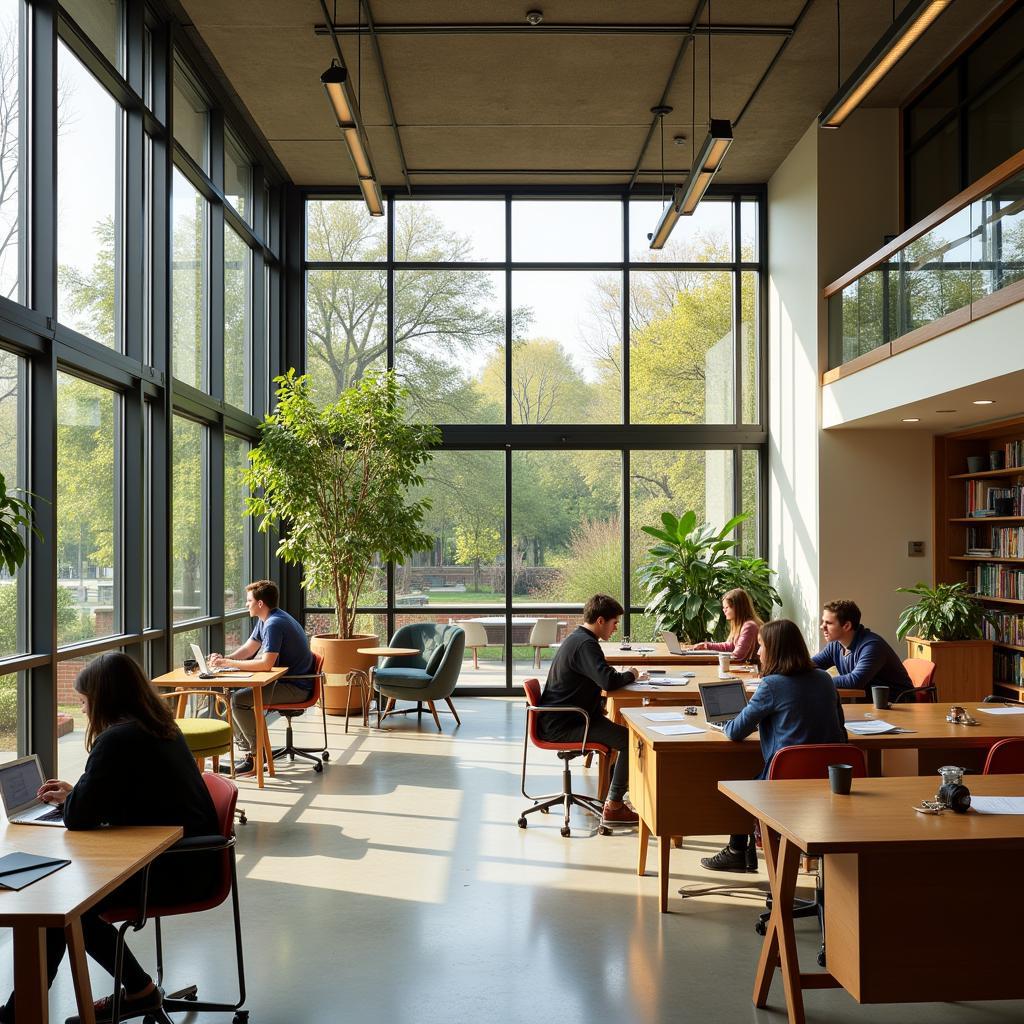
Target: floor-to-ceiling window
column 584, row 385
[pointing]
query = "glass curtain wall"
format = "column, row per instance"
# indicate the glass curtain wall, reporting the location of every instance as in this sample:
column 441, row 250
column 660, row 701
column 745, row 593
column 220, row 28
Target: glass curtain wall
column 152, row 382
column 584, row 386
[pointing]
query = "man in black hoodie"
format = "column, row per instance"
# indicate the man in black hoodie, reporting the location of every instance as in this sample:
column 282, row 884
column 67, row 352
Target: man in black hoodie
column 578, row 674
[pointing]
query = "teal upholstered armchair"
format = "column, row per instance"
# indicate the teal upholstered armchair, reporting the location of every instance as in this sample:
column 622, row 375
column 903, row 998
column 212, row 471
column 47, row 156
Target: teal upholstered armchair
column 426, row 677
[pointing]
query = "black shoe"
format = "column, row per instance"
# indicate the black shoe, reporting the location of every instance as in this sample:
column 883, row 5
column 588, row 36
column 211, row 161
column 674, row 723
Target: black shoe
column 245, row 765
column 751, row 856
column 129, row 1008
column 727, row 859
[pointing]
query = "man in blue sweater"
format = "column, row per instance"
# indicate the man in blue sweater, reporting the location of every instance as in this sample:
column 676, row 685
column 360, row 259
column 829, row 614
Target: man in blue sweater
column 863, row 658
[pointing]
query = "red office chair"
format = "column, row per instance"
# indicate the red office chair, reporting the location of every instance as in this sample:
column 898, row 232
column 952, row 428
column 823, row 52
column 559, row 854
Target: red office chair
column 224, row 794
column 1005, row 758
column 811, row 761
column 921, row 674
column 290, row 711
column 567, row 750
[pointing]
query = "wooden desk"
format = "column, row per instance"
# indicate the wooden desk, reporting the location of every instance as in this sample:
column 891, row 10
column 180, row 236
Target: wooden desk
column 179, row 679
column 100, row 861
column 886, row 942
column 653, row 654
column 674, row 779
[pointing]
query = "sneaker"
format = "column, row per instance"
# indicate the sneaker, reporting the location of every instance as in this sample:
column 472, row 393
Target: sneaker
column 624, row 815
column 728, row 859
column 242, row 767
column 138, row 1006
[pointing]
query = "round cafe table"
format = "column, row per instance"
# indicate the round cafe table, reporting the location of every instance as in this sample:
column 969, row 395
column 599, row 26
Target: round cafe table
column 377, row 652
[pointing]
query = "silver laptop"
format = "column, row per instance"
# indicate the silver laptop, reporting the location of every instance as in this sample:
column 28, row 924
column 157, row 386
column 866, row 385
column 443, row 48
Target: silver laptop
column 19, row 782
column 204, row 666
column 672, row 643
column 722, row 701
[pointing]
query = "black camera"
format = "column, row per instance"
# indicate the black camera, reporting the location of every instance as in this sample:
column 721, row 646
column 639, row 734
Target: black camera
column 955, row 796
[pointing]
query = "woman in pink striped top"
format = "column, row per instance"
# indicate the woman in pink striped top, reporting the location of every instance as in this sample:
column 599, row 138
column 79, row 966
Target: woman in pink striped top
column 743, row 626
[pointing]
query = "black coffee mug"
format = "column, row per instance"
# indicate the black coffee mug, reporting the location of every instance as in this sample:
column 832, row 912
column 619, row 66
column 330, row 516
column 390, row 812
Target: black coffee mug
column 840, row 778
column 880, row 697
column 190, row 665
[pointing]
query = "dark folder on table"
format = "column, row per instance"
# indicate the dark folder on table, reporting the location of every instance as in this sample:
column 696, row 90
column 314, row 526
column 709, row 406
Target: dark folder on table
column 20, row 869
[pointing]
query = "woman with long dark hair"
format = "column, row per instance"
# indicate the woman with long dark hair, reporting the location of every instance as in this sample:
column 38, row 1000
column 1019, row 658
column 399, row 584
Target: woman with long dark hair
column 139, row 772
column 794, row 703
column 744, row 623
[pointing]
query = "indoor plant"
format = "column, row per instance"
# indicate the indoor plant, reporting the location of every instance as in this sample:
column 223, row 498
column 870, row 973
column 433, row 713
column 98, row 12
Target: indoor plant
column 15, row 517
column 687, row 573
column 947, row 626
column 337, row 478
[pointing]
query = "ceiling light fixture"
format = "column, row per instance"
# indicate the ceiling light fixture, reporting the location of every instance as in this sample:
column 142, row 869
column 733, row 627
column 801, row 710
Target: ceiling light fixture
column 945, row 410
column 911, row 419
column 985, row 401
column 905, row 30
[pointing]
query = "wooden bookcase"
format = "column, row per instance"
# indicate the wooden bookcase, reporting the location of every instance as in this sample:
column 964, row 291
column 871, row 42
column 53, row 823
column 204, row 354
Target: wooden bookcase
column 953, row 526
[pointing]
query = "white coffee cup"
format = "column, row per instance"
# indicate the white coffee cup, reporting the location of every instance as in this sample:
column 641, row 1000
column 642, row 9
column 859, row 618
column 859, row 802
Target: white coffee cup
column 723, row 665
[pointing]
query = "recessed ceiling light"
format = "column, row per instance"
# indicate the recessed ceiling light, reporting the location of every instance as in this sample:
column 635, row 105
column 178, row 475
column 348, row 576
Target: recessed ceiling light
column 985, row 401
column 945, row 410
column 911, row 419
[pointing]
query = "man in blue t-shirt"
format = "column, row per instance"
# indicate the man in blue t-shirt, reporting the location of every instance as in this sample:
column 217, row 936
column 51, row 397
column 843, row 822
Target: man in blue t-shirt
column 278, row 639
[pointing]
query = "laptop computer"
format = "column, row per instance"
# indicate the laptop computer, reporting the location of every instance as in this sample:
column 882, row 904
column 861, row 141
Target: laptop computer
column 19, row 782
column 671, row 641
column 204, row 667
column 723, row 701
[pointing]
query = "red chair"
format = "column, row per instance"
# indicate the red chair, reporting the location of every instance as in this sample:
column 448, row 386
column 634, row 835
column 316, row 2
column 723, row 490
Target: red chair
column 811, row 761
column 290, row 711
column 1005, row 758
column 921, row 674
column 567, row 750
column 224, row 794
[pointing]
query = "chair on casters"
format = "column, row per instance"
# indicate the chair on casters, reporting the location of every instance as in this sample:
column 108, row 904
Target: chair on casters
column 811, row 761
column 922, row 674
column 567, row 750
column 224, row 794
column 290, row 711
column 1005, row 758
column 543, row 634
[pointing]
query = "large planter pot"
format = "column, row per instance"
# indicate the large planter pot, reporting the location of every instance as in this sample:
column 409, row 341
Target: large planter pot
column 963, row 668
column 340, row 658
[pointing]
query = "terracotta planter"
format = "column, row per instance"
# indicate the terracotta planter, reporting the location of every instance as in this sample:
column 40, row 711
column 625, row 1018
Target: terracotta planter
column 340, row 658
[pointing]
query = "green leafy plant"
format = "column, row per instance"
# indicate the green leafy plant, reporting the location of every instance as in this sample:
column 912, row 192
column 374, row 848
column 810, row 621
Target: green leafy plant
column 15, row 516
column 687, row 573
column 947, row 611
column 337, row 478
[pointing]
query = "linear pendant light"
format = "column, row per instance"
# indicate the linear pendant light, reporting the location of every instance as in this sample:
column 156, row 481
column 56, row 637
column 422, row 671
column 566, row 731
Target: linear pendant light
column 911, row 24
column 346, row 112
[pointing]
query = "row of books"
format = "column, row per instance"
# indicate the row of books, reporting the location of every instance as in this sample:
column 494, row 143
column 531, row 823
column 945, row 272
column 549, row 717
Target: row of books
column 1008, row 666
column 980, row 497
column 1002, row 541
column 1006, row 628
column 997, row 581
column 1013, row 452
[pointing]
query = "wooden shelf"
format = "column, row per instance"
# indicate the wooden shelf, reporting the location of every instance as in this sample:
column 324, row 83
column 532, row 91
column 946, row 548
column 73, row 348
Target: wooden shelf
column 974, row 520
column 983, row 558
column 1014, row 688
column 1009, row 647
column 988, row 474
column 997, row 600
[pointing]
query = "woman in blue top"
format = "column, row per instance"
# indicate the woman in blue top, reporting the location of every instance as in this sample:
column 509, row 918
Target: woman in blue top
column 795, row 703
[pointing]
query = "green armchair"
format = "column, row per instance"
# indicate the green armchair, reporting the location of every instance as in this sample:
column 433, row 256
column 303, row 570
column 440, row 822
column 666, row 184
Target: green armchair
column 426, row 677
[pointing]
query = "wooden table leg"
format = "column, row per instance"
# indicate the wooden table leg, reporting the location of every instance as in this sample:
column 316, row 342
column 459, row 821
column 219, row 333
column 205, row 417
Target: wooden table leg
column 268, row 747
column 80, row 971
column 261, row 731
column 641, row 854
column 664, row 846
column 31, row 1003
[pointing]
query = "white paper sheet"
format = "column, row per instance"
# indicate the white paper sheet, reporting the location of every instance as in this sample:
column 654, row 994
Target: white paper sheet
column 676, row 730
column 665, row 716
column 997, row 804
column 872, row 727
column 1001, row 711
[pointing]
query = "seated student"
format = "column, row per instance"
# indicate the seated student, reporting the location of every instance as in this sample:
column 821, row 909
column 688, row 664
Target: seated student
column 278, row 637
column 140, row 771
column 744, row 623
column 578, row 674
column 863, row 658
column 794, row 703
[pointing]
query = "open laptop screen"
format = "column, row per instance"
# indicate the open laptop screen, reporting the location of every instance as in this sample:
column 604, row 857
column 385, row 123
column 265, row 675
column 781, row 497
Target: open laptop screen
column 19, row 782
column 723, row 699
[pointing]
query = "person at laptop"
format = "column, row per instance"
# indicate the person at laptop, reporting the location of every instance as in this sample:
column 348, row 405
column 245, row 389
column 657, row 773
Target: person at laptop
column 277, row 639
column 129, row 726
column 744, row 623
column 578, row 674
column 794, row 703
column 863, row 658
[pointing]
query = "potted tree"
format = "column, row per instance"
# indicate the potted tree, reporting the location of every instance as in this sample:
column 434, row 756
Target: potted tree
column 947, row 626
column 337, row 479
column 690, row 569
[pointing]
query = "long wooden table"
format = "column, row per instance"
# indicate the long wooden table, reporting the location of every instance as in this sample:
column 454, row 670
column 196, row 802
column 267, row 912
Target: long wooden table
column 674, row 779
column 180, row 679
column 945, row 929
column 100, row 861
column 652, row 654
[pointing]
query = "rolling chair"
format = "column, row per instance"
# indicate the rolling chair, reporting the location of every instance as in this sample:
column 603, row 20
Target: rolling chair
column 567, row 750
column 543, row 634
column 1005, row 758
column 921, row 674
column 224, row 793
column 290, row 711
column 811, row 761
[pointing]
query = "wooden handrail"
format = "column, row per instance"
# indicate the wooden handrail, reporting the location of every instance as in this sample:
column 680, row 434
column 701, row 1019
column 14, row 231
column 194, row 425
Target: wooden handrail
column 1007, row 169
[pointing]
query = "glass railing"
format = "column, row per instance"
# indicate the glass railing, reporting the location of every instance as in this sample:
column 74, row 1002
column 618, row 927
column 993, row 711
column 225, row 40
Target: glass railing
column 924, row 276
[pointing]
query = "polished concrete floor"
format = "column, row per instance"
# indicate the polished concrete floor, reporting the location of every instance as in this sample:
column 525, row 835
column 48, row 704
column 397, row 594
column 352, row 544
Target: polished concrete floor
column 397, row 888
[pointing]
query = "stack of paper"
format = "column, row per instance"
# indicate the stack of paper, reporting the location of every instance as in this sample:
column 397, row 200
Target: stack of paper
column 872, row 727
column 676, row 730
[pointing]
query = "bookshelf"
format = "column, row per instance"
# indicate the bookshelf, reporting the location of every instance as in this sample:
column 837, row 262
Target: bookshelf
column 988, row 551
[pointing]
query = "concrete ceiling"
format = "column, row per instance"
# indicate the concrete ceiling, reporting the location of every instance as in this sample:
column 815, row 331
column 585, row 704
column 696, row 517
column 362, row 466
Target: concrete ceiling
column 519, row 107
